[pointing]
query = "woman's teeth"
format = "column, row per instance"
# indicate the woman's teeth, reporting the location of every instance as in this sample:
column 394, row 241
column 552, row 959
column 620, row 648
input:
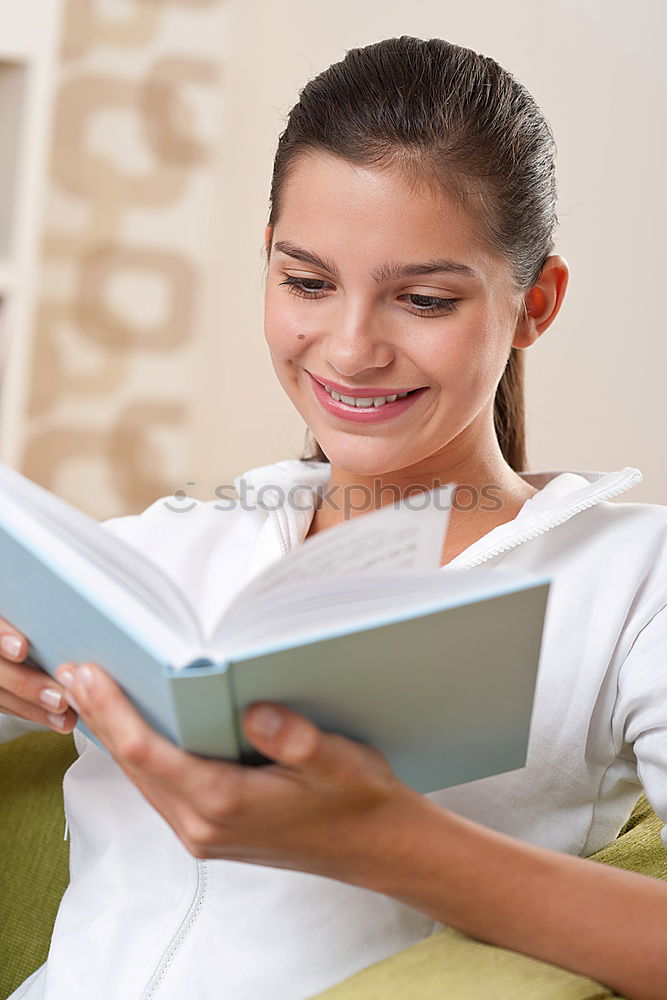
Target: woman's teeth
column 366, row 401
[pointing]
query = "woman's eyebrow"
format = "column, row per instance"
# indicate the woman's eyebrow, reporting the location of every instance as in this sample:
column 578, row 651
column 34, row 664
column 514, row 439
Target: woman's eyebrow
column 388, row 272
column 291, row 250
column 441, row 265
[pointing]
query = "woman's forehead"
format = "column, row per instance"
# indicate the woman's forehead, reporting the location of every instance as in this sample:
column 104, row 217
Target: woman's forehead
column 328, row 200
column 322, row 173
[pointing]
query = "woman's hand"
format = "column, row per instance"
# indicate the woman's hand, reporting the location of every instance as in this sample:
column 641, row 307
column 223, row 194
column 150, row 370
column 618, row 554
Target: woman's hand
column 27, row 691
column 325, row 806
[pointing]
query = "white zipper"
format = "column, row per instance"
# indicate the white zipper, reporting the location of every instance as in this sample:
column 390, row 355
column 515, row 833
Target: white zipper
column 279, row 530
column 627, row 481
column 182, row 932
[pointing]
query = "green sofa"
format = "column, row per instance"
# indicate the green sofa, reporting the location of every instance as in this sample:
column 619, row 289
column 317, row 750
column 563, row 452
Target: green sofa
column 33, row 875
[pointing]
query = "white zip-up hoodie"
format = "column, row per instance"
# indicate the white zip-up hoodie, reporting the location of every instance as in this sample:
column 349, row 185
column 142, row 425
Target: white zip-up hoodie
column 144, row 920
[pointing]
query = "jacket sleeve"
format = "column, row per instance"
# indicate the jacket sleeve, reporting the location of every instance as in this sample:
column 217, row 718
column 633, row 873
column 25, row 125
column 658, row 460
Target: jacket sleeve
column 146, row 531
column 128, row 528
column 640, row 713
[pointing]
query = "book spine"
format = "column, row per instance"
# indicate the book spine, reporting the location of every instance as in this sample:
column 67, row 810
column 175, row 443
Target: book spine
column 203, row 707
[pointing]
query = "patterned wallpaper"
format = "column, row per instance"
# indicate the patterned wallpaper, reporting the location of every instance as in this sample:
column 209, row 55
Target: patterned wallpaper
column 114, row 358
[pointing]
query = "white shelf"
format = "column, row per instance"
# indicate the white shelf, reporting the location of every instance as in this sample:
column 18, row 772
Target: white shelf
column 29, row 34
column 13, row 78
column 23, row 27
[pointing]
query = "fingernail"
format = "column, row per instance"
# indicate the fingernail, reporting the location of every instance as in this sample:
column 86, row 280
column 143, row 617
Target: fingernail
column 10, row 645
column 56, row 720
column 266, row 721
column 66, row 677
column 72, row 702
column 51, row 698
column 84, row 676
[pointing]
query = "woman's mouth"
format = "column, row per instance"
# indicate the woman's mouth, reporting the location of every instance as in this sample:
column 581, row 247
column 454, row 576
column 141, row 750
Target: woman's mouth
column 368, row 408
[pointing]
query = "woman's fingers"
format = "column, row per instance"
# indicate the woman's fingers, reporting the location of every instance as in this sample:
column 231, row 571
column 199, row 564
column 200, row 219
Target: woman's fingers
column 13, row 645
column 63, row 721
column 25, row 690
column 294, row 741
column 112, row 717
column 32, row 685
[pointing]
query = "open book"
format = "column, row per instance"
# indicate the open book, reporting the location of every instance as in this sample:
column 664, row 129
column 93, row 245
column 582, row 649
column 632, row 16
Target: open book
column 358, row 628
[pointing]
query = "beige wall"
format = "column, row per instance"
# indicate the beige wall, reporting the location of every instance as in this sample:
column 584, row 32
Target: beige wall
column 596, row 397
column 111, row 372
column 189, row 395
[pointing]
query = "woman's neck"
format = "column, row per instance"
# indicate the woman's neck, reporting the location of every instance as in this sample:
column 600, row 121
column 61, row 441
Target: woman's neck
column 487, row 494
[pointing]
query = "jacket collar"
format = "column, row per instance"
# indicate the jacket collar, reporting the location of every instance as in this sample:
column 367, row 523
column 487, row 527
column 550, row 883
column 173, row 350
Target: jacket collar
column 561, row 494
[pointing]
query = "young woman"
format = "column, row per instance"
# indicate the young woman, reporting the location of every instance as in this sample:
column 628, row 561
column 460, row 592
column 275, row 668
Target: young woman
column 410, row 254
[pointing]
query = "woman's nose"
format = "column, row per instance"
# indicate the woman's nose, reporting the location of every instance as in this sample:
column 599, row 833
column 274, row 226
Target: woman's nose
column 355, row 343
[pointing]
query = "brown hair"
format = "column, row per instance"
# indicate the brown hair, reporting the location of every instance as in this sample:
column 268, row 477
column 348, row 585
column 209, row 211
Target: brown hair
column 450, row 115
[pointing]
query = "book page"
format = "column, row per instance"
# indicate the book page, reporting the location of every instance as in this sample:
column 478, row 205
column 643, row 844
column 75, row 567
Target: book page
column 344, row 602
column 403, row 537
column 67, row 537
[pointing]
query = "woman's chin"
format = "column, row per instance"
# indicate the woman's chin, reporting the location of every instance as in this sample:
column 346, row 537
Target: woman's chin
column 364, row 457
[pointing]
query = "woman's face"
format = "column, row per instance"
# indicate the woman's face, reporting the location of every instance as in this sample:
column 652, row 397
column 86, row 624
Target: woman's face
column 343, row 310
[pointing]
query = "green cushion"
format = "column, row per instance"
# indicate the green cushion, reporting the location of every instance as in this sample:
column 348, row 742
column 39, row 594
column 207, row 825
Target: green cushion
column 638, row 847
column 35, row 855
column 34, row 873
column 450, row 965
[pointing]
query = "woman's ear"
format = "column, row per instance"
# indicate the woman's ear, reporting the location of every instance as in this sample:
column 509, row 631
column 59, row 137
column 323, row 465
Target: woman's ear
column 268, row 233
column 541, row 304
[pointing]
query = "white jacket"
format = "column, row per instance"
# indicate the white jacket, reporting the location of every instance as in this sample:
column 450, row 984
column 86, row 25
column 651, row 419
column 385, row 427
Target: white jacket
column 144, row 920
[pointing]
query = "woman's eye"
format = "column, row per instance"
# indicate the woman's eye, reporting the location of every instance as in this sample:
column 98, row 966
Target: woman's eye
column 429, row 305
column 298, row 286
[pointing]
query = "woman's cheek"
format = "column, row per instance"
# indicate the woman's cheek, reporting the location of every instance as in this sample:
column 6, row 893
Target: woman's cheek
column 449, row 355
column 286, row 333
column 288, row 348
column 486, row 355
column 469, row 365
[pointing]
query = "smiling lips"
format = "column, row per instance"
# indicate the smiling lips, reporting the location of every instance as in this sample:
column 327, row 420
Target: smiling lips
column 366, row 405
